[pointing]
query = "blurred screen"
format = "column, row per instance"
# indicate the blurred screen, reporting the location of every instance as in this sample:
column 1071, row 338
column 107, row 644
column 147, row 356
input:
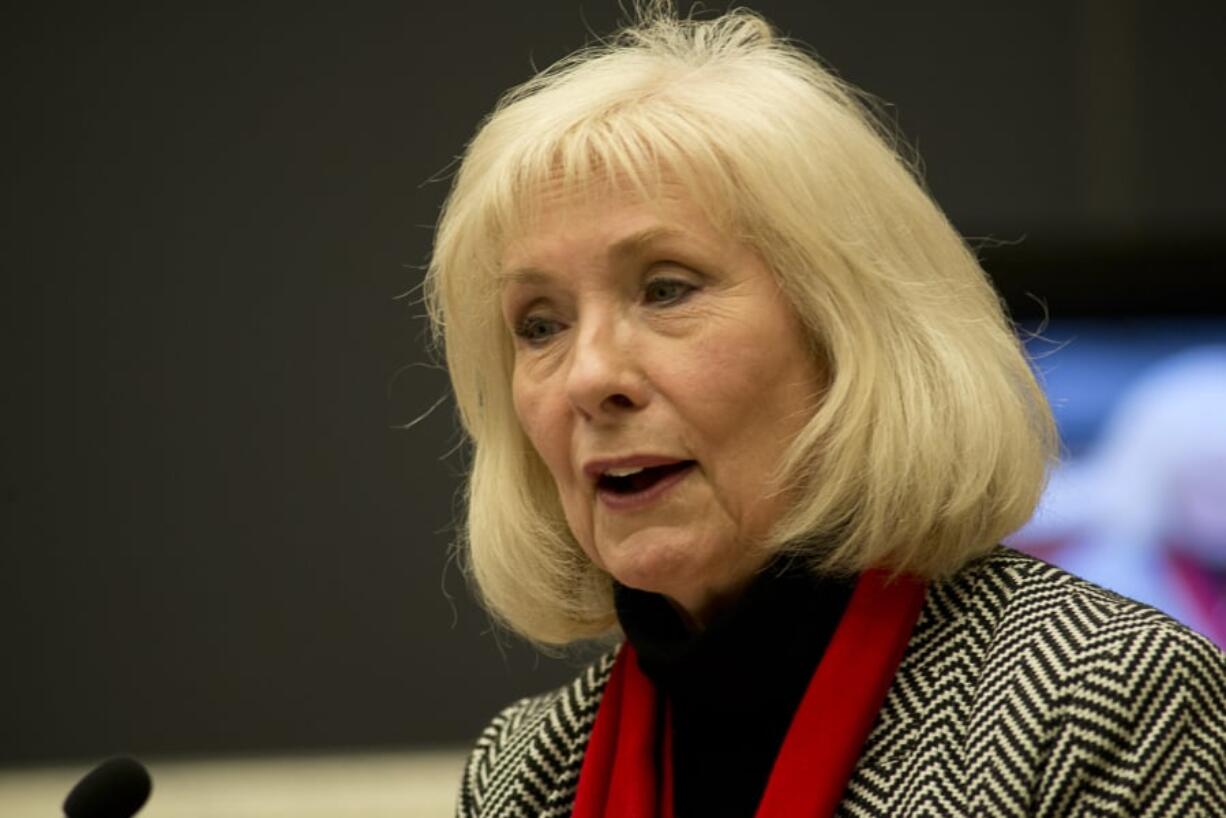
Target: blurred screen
column 1138, row 503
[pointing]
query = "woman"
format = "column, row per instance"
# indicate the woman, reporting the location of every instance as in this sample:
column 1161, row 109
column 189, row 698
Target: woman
column 738, row 393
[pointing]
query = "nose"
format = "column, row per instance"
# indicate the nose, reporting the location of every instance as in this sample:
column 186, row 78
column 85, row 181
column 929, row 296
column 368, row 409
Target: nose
column 605, row 378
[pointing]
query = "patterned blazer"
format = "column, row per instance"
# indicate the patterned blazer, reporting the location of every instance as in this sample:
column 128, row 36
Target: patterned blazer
column 1024, row 691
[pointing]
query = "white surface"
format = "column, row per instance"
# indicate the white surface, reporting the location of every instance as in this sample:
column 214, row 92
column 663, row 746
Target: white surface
column 405, row 785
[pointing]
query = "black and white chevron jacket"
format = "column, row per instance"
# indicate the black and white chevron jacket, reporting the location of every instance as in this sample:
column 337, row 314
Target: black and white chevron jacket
column 1024, row 692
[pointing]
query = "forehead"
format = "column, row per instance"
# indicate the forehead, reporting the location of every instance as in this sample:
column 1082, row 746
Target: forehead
column 612, row 221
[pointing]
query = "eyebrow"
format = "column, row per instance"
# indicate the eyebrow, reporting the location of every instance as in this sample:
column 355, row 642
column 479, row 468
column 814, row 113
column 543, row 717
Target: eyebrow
column 630, row 245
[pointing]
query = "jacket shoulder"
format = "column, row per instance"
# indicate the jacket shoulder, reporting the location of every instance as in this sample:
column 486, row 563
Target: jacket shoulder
column 1020, row 605
column 1038, row 693
column 1134, row 702
column 527, row 760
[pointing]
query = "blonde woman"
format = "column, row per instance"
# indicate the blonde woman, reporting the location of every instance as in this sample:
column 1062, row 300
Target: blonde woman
column 742, row 402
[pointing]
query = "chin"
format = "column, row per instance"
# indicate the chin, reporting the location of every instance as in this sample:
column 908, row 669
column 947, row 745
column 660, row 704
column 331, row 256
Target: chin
column 654, row 563
column 684, row 569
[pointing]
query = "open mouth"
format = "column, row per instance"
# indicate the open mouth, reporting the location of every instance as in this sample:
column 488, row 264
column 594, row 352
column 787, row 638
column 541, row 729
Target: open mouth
column 641, row 480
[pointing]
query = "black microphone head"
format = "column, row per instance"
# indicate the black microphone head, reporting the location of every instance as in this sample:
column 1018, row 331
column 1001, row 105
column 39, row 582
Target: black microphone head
column 116, row 788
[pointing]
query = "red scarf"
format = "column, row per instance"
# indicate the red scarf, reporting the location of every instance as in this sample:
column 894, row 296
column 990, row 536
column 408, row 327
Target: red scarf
column 620, row 777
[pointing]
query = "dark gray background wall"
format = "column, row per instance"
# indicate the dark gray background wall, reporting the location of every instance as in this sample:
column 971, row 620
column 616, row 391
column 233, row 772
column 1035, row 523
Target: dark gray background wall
column 212, row 537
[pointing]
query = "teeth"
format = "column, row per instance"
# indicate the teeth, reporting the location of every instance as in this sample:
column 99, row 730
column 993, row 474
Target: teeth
column 623, row 472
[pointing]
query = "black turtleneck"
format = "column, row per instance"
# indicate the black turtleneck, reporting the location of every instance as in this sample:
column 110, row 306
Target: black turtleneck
column 734, row 686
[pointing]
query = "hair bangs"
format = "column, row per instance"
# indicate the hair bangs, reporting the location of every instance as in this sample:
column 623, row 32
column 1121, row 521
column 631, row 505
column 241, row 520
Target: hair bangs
column 634, row 151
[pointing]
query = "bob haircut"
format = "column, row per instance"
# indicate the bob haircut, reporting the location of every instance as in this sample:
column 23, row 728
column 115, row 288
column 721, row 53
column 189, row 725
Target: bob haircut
column 932, row 438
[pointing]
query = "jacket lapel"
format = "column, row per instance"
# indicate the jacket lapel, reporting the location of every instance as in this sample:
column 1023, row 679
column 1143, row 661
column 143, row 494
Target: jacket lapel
column 564, row 738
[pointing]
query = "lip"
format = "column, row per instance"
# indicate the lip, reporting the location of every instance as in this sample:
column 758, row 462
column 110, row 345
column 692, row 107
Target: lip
column 594, row 468
column 634, row 502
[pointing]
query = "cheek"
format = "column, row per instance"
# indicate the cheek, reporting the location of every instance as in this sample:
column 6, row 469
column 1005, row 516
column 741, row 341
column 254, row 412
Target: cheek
column 545, row 431
column 550, row 437
column 732, row 382
column 746, row 398
column 528, row 412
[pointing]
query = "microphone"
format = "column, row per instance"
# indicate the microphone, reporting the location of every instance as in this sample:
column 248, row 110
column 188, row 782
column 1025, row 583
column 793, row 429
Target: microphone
column 116, row 788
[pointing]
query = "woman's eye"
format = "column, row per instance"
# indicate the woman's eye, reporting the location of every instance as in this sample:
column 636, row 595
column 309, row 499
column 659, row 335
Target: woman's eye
column 667, row 290
column 536, row 330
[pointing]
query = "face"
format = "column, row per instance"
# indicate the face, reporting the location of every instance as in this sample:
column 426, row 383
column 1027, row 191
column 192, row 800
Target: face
column 660, row 374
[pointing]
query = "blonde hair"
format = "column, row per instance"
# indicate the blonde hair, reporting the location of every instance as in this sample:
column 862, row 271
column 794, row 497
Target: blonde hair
column 932, row 439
